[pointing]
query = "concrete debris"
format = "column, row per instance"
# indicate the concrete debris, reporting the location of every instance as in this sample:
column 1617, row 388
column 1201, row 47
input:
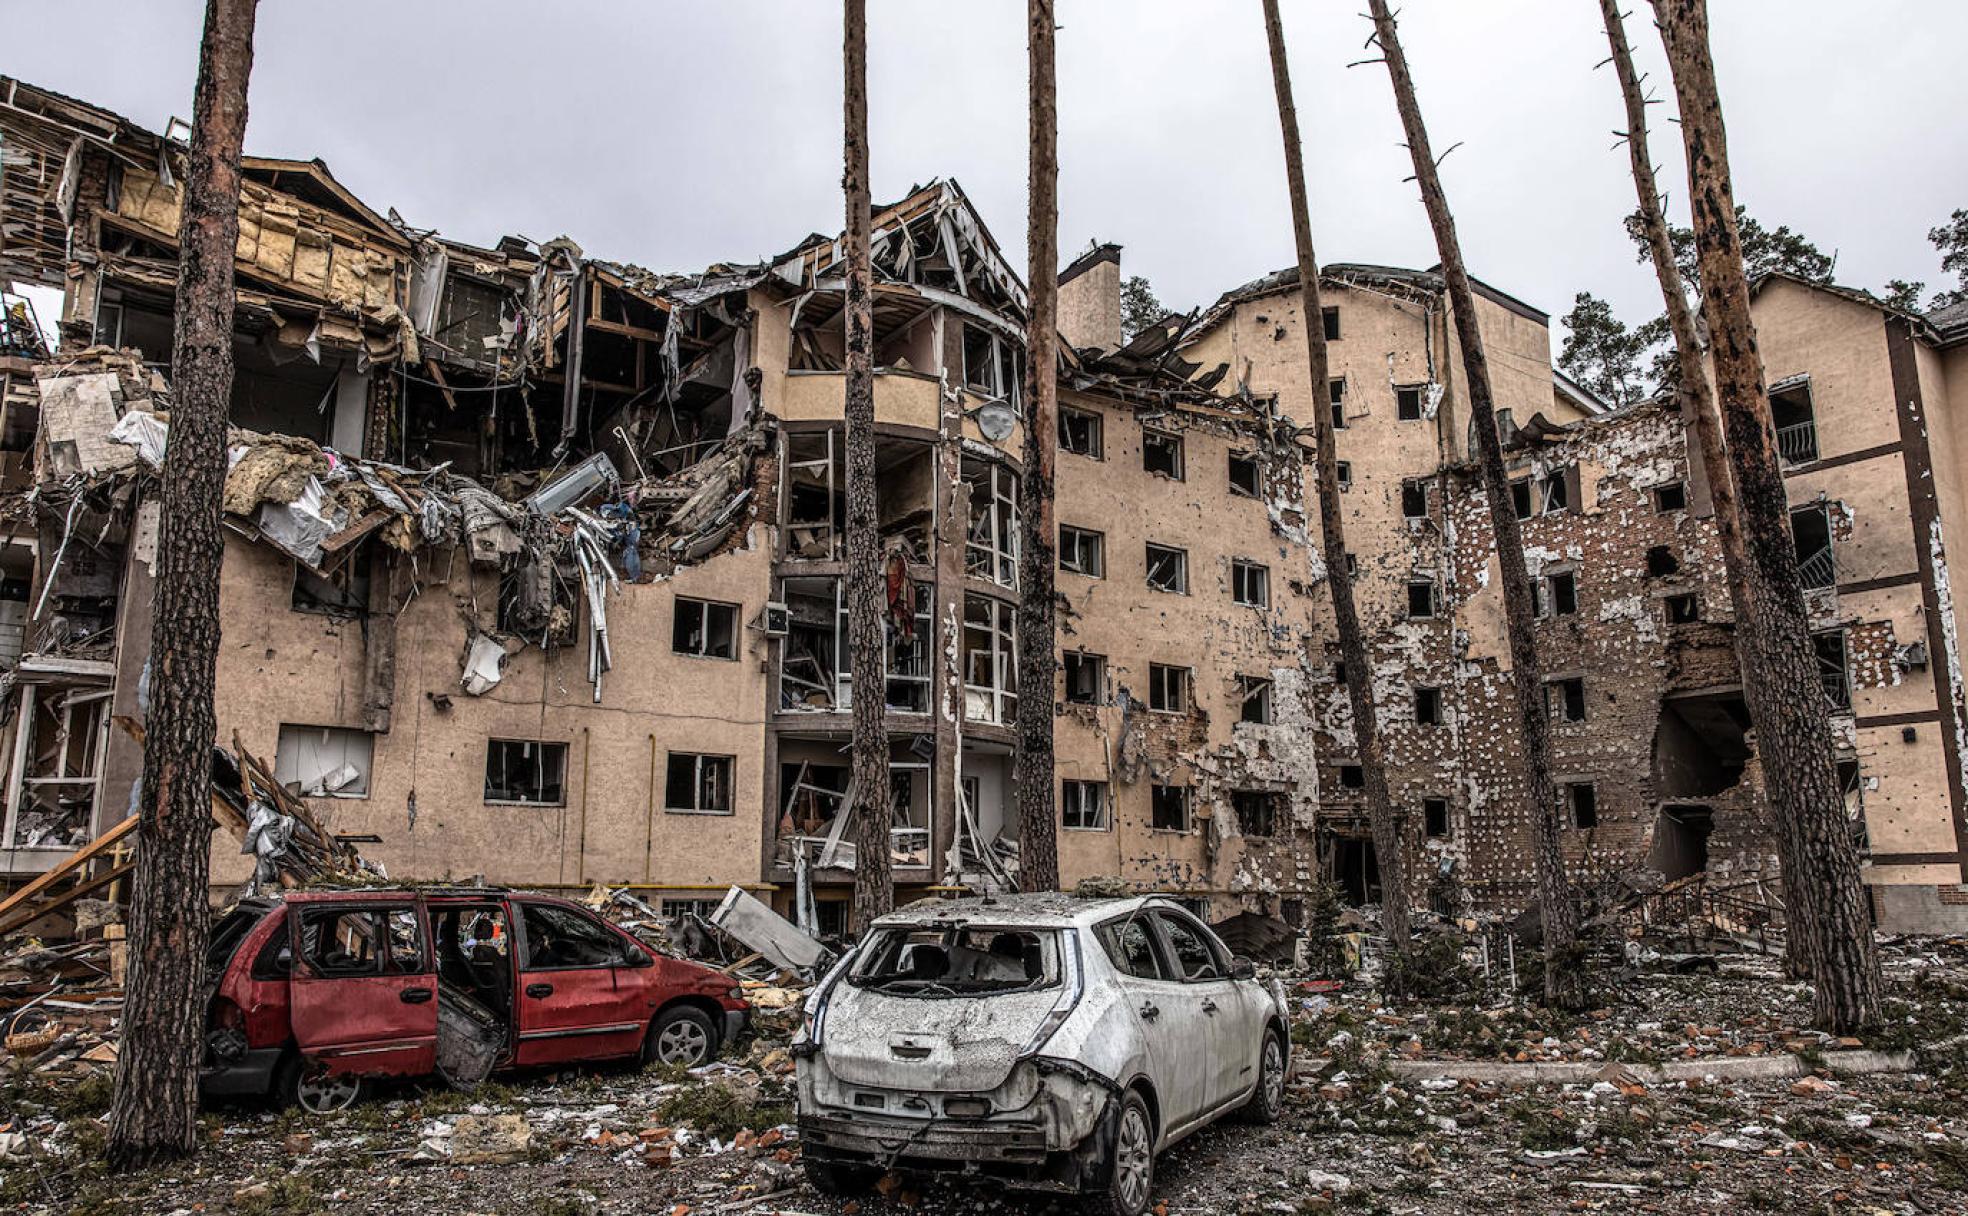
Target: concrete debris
column 746, row 918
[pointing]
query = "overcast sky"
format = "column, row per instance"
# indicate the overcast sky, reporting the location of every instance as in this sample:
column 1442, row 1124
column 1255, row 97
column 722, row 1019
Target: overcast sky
column 676, row 133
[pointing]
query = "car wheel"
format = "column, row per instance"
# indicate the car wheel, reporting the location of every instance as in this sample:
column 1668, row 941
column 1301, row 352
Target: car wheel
column 316, row 1090
column 1132, row 1176
column 834, row 1179
column 682, row 1037
column 1267, row 1102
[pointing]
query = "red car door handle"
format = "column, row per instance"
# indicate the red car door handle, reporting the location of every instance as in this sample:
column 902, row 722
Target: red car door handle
column 414, row 996
column 537, row 991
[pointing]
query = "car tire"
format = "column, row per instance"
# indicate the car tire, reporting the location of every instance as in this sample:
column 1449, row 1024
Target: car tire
column 1131, row 1169
column 1267, row 1101
column 314, row 1090
column 683, row 1037
column 838, row 1181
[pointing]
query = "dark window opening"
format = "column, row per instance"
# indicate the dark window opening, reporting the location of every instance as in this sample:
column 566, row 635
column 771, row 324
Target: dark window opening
column 1520, row 498
column 1336, row 393
column 1086, row 678
column 1555, row 492
column 1671, row 497
column 1810, row 529
column 1435, row 817
column 1254, row 700
column 1421, row 598
column 1168, row 569
column 1250, row 584
column 1796, row 424
column 700, row 784
column 1681, row 841
column 1168, row 688
column 343, row 592
column 705, row 629
column 1246, row 476
column 1570, row 704
column 1830, row 650
column 1083, row 805
column 1352, row 777
column 1331, row 318
column 1407, row 404
column 1683, row 609
column 1428, row 706
column 1661, row 562
column 1169, row 811
column 1560, row 594
column 1582, row 801
column 1339, row 672
column 1079, row 433
column 1162, row 453
column 525, row 771
column 1414, row 499
column 1257, row 812
column 1082, row 551
column 1343, row 474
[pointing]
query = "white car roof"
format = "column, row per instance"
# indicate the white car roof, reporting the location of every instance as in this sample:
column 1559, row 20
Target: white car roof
column 1056, row 910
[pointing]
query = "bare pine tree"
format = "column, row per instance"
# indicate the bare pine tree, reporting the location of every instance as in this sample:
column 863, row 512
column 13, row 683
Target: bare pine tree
column 1388, row 851
column 154, row 1115
column 1827, row 902
column 1563, row 980
column 1038, row 835
column 873, row 894
column 1696, row 401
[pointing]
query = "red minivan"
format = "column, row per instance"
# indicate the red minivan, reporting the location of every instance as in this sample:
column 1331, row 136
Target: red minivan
column 312, row 993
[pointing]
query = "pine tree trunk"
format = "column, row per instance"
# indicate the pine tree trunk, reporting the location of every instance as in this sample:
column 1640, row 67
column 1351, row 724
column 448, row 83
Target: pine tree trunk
column 1389, row 853
column 1038, row 834
column 1563, row 978
column 1696, row 401
column 1785, row 696
column 873, row 893
column 154, row 1115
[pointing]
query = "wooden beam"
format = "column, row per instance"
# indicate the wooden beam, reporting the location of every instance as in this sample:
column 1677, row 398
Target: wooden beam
column 74, row 864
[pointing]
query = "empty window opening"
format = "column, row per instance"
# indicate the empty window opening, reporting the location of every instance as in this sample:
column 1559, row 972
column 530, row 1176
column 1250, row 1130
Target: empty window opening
column 1352, row 777
column 1086, row 678
column 698, row 784
column 1169, row 810
column 1168, row 688
column 1082, row 551
column 1352, row 565
column 1407, row 404
column 1083, row 806
column 1555, row 492
column 1796, row 423
column 991, row 364
column 324, row 761
column 1683, row 609
column 1671, row 497
column 1681, row 841
column 991, row 544
column 1257, row 812
column 1079, row 432
column 1520, row 498
column 1351, row 865
column 1250, row 584
column 1700, row 745
column 1331, row 318
column 1343, row 476
column 1567, row 698
column 1336, row 394
column 1830, row 649
column 1558, row 594
column 1168, row 569
column 813, row 656
column 1661, row 562
column 59, row 764
column 705, row 629
column 990, row 660
column 1254, row 700
column 1428, row 706
column 1810, row 528
column 1414, row 499
column 1246, row 475
column 906, row 649
column 1435, row 817
column 343, row 591
column 1582, row 804
column 1162, row 453
column 526, row 771
column 816, row 495
column 1421, row 598
column 1339, row 673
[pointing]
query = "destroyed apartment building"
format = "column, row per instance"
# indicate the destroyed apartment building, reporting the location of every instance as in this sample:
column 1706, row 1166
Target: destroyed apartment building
column 534, row 566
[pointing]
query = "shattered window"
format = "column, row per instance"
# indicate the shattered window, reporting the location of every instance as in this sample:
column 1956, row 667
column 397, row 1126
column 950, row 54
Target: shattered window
column 526, row 771
column 324, row 761
column 1682, row 609
column 1582, row 804
column 1671, row 497
column 1082, row 551
column 1555, row 492
column 1331, row 318
column 1083, row 805
column 1162, row 453
column 1796, row 423
column 1830, row 649
column 700, row 784
column 356, row 941
column 60, row 766
column 1246, row 475
column 1169, row 809
column 1086, row 678
column 943, row 961
column 1079, row 432
column 1197, row 956
column 1435, row 817
column 1130, row 946
column 1567, row 698
column 990, row 664
column 1414, row 499
column 1250, row 584
column 1168, row 688
column 1254, row 700
column 907, row 650
column 344, row 592
column 991, row 548
column 1520, row 497
column 1421, row 598
column 1661, row 562
column 1336, row 394
column 1407, row 404
column 705, row 629
column 1352, row 777
column 563, row 939
column 990, row 364
column 1428, row 706
column 1168, row 569
column 1557, row 594
column 1810, row 528
column 1257, row 812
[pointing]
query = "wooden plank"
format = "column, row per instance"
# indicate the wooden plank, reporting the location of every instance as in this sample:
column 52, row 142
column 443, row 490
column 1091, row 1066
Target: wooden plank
column 73, row 865
column 28, row 915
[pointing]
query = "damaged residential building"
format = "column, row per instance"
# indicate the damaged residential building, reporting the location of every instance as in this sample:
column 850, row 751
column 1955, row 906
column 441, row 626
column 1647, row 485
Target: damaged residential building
column 534, row 566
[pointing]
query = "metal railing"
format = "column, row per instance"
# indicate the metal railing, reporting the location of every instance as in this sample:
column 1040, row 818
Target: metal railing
column 1817, row 570
column 1798, row 442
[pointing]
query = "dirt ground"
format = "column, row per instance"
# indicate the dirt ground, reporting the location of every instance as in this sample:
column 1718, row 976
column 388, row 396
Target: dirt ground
column 1366, row 1128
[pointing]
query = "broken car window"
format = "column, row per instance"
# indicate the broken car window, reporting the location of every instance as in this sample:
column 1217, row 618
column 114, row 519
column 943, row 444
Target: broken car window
column 1195, row 957
column 958, row 960
column 557, row 938
column 1131, row 948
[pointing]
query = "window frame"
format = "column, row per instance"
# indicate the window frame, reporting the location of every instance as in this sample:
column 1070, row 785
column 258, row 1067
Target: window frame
column 1158, row 688
column 1181, row 556
column 1095, row 429
column 563, row 747
column 1102, row 811
column 1246, row 575
column 1267, row 801
column 1080, row 538
column 1254, row 688
column 730, row 780
column 703, row 608
column 1256, row 466
column 1080, row 659
column 1175, row 441
column 1188, row 808
column 1434, row 600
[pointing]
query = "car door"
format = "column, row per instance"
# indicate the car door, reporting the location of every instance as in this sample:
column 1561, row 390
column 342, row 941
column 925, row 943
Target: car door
column 1204, row 967
column 575, row 1000
column 1166, row 1011
column 362, row 992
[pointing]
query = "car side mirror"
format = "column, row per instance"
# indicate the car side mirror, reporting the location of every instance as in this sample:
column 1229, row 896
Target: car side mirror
column 1242, row 969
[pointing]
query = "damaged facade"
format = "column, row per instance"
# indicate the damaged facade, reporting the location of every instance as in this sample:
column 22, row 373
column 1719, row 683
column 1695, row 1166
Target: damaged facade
column 535, row 565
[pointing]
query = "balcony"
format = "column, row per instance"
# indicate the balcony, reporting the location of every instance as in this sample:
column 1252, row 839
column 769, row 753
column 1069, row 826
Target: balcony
column 1798, row 442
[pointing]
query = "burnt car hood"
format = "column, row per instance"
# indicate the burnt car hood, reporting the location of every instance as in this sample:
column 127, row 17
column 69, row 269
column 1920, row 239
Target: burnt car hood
column 960, row 1044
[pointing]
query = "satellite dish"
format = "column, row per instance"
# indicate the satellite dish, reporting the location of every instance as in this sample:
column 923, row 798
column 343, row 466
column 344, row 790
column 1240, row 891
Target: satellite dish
column 996, row 419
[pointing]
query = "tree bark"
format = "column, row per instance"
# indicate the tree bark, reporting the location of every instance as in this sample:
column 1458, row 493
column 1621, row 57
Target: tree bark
column 1563, row 979
column 1786, row 701
column 1389, row 853
column 1038, row 834
column 154, row 1115
column 1696, row 401
column 874, row 895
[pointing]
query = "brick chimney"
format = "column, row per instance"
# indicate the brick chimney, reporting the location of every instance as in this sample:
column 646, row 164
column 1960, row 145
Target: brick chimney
column 1090, row 299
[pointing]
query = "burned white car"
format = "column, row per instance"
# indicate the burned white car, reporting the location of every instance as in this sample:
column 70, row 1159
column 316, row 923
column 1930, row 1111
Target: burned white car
column 1052, row 1042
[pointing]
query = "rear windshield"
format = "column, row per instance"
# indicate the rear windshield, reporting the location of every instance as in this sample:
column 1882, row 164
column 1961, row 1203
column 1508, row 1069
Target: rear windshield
column 958, row 961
